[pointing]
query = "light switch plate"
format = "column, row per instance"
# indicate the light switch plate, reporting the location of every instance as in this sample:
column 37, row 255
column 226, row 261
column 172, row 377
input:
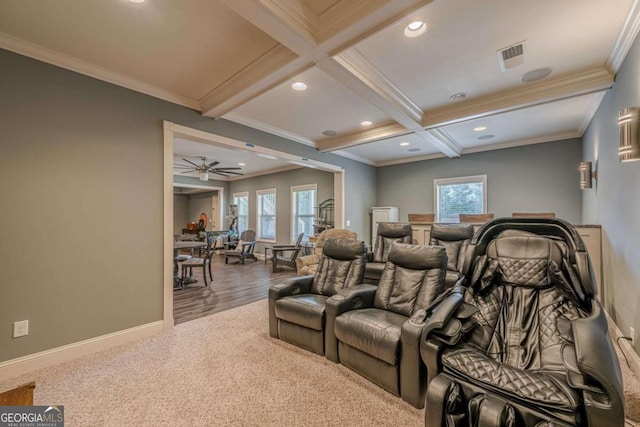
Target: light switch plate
column 21, row 328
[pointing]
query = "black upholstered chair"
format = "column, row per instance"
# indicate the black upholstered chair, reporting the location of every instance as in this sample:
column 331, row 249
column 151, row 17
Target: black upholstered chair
column 455, row 238
column 388, row 233
column 526, row 343
column 297, row 306
column 376, row 329
column 244, row 247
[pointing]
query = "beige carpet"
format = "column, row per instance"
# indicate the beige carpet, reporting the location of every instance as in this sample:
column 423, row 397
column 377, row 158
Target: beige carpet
column 224, row 369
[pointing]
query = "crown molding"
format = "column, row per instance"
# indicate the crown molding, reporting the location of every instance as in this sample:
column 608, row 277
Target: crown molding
column 267, row 71
column 252, row 123
column 58, row 59
column 509, row 144
column 516, row 98
column 520, row 142
column 625, row 39
column 354, row 62
column 355, row 157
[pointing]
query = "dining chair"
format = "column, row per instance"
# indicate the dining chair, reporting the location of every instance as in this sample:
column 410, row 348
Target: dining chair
column 475, row 218
column 204, row 262
column 533, row 215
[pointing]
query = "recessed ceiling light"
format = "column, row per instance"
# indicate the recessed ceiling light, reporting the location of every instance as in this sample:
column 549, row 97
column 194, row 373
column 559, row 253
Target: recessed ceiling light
column 366, row 123
column 458, row 96
column 404, row 144
column 533, row 75
column 266, row 156
column 415, row 29
column 480, row 128
column 489, row 136
column 136, row 1
column 329, row 133
column 413, row 150
column 299, row 86
column 242, row 164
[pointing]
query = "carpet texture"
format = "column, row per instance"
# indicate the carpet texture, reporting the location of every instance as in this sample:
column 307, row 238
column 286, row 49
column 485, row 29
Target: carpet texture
column 224, row 369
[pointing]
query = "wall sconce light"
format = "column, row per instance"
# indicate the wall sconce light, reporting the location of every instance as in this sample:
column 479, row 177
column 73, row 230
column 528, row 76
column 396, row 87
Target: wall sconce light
column 586, row 175
column 629, row 150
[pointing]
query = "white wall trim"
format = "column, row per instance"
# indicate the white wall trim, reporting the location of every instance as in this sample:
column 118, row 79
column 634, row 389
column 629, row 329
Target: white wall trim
column 625, row 39
column 79, row 66
column 15, row 367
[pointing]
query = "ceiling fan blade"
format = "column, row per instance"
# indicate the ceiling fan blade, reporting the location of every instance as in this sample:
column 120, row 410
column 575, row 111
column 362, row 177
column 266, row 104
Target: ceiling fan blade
column 212, row 164
column 183, row 166
column 227, row 172
column 189, row 161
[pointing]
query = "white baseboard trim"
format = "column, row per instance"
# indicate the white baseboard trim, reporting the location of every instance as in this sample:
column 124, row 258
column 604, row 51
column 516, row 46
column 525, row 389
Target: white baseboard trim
column 15, row 367
column 625, row 346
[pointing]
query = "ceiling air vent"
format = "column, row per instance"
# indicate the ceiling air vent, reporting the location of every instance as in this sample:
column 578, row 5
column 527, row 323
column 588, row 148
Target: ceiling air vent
column 511, row 56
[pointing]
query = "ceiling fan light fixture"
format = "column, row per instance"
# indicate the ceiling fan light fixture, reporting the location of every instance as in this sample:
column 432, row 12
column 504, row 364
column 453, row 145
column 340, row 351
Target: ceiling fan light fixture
column 203, row 175
column 415, row 29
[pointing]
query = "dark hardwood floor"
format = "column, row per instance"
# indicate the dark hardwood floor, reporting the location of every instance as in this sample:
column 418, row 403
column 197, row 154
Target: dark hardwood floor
column 233, row 285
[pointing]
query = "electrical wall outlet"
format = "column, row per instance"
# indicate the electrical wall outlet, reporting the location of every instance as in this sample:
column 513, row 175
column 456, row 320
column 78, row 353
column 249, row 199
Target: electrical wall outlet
column 348, row 223
column 21, row 328
column 632, row 334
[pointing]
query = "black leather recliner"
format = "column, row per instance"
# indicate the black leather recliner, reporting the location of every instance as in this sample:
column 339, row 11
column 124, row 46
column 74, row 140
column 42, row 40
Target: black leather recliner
column 388, row 233
column 526, row 343
column 297, row 306
column 455, row 238
column 375, row 330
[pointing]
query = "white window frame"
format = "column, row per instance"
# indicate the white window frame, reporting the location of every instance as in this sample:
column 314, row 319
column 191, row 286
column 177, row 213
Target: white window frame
column 258, row 215
column 459, row 180
column 238, row 195
column 294, row 215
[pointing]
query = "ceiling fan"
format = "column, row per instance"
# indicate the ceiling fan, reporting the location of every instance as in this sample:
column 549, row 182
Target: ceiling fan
column 205, row 169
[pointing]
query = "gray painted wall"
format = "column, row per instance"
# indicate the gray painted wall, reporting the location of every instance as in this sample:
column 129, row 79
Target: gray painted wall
column 180, row 212
column 613, row 202
column 532, row 178
column 97, row 153
column 282, row 182
column 199, row 203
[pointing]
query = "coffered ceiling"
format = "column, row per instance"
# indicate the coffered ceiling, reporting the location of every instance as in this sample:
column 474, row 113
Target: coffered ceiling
column 237, row 59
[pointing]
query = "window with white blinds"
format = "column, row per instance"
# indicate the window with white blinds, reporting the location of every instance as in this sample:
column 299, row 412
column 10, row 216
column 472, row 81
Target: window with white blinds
column 303, row 210
column 241, row 200
column 455, row 196
column 266, row 214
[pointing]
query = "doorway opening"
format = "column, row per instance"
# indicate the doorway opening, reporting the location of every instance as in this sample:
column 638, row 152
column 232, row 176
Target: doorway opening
column 174, row 135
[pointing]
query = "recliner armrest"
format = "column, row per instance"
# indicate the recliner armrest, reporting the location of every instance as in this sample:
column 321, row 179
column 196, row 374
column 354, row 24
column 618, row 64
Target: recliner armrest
column 352, row 298
column 598, row 363
column 369, row 256
column 293, row 286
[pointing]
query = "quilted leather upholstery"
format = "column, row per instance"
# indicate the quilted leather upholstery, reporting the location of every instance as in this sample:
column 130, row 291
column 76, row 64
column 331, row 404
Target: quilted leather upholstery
column 522, row 351
column 537, row 387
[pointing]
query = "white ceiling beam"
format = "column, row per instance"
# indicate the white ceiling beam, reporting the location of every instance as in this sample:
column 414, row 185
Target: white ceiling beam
column 542, row 92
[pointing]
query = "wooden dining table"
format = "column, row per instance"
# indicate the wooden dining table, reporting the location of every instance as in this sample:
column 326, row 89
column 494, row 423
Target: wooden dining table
column 178, row 282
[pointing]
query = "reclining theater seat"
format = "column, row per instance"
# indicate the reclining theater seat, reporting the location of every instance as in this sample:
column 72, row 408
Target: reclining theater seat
column 455, row 238
column 538, row 351
column 297, row 306
column 375, row 333
column 388, row 233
